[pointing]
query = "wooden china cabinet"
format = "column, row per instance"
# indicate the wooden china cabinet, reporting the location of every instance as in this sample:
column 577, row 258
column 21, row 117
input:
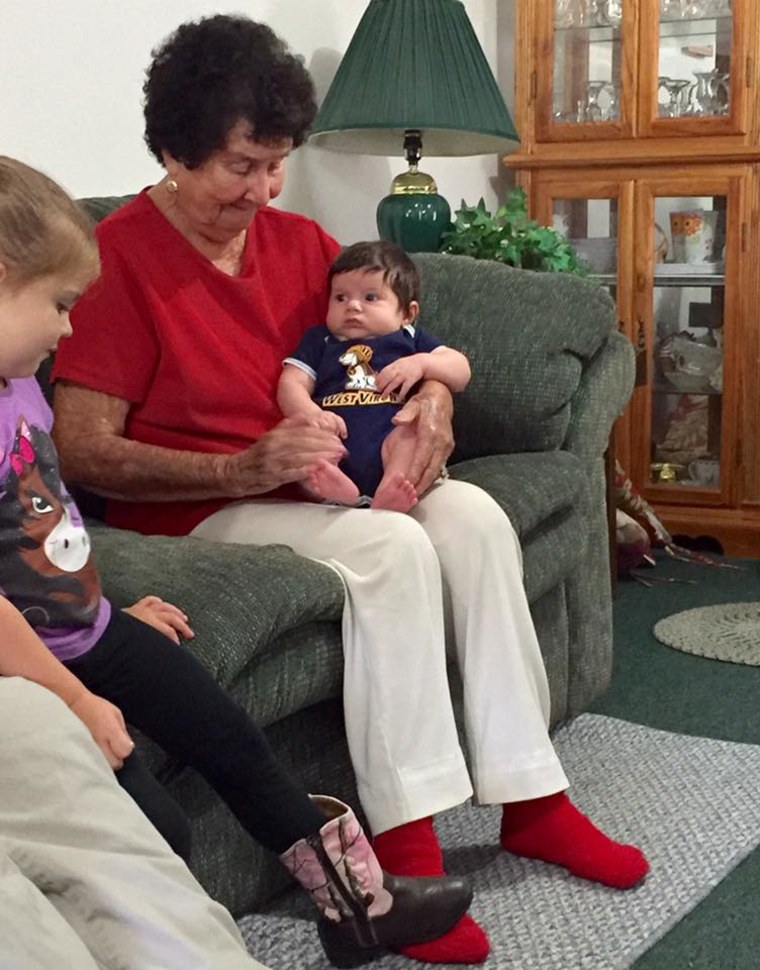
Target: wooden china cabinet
column 639, row 123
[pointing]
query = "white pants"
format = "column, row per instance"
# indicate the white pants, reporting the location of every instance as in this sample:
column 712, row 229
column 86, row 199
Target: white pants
column 452, row 564
column 85, row 880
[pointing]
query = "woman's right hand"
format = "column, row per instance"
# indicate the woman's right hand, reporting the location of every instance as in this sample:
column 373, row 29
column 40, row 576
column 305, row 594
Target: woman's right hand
column 105, row 723
column 282, row 455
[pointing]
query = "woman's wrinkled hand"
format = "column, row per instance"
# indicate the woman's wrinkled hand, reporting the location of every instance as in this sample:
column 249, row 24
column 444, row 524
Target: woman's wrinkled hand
column 284, row 454
column 165, row 617
column 106, row 724
column 430, row 411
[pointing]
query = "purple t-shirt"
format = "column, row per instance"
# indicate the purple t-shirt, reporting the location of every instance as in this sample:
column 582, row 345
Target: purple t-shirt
column 46, row 569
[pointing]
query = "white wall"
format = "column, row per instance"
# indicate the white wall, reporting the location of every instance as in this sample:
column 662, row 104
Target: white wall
column 71, row 75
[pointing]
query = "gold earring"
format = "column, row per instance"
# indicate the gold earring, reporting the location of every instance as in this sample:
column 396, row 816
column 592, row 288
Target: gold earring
column 172, row 187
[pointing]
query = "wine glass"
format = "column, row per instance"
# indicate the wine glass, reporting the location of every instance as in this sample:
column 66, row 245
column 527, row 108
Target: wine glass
column 717, row 8
column 593, row 110
column 710, row 93
column 662, row 84
column 721, row 93
column 562, row 13
column 610, row 98
column 613, row 10
column 572, row 13
column 675, row 87
column 606, row 13
column 670, row 9
column 692, row 9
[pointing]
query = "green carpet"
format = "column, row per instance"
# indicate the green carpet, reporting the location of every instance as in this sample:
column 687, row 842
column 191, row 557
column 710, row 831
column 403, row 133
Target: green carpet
column 664, row 688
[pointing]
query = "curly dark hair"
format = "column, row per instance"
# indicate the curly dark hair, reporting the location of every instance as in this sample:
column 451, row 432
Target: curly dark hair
column 399, row 271
column 210, row 74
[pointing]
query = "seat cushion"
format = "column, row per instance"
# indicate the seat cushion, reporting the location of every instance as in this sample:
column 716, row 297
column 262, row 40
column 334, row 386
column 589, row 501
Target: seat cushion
column 544, row 495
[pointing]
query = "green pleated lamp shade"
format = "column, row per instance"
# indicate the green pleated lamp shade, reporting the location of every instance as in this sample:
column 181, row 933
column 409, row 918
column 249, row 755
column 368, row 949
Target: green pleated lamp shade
column 414, row 65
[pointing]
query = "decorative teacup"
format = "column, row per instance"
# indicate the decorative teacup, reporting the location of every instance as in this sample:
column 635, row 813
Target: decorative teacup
column 705, row 472
column 693, row 234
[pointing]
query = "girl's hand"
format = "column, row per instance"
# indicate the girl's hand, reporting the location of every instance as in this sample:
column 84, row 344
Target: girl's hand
column 105, row 723
column 169, row 619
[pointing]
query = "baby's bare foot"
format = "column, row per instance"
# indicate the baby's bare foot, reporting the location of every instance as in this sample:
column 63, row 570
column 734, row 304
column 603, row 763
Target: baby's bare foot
column 330, row 483
column 397, row 494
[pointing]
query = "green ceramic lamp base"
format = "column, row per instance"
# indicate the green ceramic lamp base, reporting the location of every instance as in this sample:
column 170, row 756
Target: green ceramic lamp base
column 414, row 222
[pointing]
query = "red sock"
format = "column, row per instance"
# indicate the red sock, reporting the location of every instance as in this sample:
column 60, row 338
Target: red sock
column 552, row 829
column 412, row 850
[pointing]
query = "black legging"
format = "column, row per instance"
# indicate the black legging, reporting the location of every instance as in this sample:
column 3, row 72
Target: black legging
column 155, row 801
column 168, row 695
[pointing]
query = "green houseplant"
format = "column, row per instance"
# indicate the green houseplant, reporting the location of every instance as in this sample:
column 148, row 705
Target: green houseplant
column 510, row 236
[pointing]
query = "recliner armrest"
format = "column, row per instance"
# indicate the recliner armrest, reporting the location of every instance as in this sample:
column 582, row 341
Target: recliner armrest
column 238, row 597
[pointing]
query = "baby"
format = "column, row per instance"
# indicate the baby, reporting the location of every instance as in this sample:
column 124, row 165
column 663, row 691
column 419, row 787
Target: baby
column 352, row 374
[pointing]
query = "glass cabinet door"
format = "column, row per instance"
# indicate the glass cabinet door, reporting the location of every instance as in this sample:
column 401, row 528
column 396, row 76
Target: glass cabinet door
column 697, row 86
column 685, row 306
column 687, row 348
column 591, row 226
column 625, row 68
column 584, row 88
column 596, row 216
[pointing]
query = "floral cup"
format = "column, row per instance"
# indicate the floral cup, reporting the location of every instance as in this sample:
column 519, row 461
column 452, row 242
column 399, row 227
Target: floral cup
column 693, row 234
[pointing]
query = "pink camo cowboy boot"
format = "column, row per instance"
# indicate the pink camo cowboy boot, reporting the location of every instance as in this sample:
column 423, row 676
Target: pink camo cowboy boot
column 363, row 909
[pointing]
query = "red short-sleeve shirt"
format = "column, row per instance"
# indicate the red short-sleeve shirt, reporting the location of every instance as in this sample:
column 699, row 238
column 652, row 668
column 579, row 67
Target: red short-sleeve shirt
column 196, row 352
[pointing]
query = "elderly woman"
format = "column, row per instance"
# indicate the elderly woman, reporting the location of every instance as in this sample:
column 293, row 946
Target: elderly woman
column 166, row 405
column 58, row 630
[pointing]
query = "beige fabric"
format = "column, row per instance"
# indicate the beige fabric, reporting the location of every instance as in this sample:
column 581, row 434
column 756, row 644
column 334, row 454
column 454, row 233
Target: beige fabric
column 450, row 570
column 85, row 881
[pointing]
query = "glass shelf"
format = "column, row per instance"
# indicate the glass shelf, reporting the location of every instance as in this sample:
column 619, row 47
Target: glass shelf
column 661, row 387
column 608, row 32
column 676, row 26
column 663, row 276
column 686, row 24
column 689, row 274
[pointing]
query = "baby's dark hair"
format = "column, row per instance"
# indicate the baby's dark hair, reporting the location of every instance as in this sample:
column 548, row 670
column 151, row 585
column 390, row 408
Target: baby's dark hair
column 398, row 270
column 210, row 74
column 43, row 232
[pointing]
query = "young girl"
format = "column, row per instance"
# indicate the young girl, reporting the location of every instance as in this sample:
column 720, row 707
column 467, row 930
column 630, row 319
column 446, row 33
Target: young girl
column 56, row 628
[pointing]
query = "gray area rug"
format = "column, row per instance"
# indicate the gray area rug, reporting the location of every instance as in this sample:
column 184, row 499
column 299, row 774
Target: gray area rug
column 728, row 631
column 692, row 804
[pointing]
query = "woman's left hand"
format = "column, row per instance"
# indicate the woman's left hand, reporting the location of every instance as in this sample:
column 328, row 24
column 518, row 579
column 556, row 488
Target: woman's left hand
column 430, row 410
column 169, row 619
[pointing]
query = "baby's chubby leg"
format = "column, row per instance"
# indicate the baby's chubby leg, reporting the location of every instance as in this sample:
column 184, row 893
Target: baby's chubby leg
column 395, row 492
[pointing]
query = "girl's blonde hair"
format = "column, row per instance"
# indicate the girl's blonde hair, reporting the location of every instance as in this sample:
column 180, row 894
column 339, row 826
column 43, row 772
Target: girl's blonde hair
column 43, row 232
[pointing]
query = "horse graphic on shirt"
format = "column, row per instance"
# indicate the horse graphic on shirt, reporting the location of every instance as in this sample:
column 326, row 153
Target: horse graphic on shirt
column 45, row 564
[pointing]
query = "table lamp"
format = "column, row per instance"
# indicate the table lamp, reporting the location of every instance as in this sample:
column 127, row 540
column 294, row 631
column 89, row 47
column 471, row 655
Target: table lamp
column 414, row 77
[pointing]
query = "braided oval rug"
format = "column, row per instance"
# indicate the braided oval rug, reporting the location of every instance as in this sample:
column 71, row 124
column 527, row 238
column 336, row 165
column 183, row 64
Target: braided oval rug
column 728, row 631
